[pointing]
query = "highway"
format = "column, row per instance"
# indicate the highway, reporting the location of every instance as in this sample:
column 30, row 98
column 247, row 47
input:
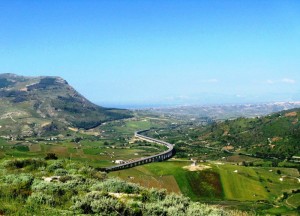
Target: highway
column 158, row 157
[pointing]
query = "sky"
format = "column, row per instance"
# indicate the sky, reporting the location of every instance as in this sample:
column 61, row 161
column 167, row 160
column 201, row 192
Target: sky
column 157, row 52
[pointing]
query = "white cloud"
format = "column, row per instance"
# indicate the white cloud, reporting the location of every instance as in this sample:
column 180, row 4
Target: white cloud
column 287, row 80
column 284, row 80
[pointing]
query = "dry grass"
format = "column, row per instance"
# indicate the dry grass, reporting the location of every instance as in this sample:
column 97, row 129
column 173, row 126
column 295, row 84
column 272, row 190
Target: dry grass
column 291, row 114
column 275, row 139
column 161, row 182
column 196, row 167
column 35, row 148
column 59, row 150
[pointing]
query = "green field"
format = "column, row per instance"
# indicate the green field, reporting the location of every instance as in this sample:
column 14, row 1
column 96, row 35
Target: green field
column 241, row 183
column 294, row 200
column 96, row 153
column 162, row 175
column 231, row 184
column 114, row 142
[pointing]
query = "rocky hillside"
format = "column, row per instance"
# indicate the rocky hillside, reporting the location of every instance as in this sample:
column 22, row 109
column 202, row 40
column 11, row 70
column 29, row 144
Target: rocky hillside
column 35, row 105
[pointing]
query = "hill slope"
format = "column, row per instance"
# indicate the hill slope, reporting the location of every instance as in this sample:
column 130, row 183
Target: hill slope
column 34, row 105
column 273, row 136
column 276, row 135
column 65, row 187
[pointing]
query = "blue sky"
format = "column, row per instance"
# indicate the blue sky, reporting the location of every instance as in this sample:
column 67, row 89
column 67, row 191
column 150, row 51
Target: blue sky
column 157, row 52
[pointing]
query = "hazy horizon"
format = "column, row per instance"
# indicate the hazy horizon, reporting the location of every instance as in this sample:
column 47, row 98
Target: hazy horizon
column 136, row 106
column 158, row 52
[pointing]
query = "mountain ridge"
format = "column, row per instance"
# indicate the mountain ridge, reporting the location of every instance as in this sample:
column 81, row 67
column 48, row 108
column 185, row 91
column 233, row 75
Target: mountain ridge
column 47, row 101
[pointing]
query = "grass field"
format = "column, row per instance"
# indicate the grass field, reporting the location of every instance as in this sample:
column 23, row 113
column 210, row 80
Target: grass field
column 241, row 183
column 129, row 126
column 145, row 177
column 233, row 185
column 113, row 143
column 294, row 200
column 94, row 152
column 196, row 185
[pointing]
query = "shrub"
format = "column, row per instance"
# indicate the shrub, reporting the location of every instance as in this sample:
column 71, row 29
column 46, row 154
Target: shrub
column 133, row 208
column 202, row 209
column 157, row 195
column 154, row 209
column 51, row 188
column 83, row 204
column 18, row 185
column 92, row 173
column 51, row 156
column 41, row 199
column 55, row 165
column 176, row 201
column 65, row 178
column 117, row 186
column 60, row 172
column 99, row 175
column 77, row 184
column 74, row 166
column 107, row 206
column 21, row 163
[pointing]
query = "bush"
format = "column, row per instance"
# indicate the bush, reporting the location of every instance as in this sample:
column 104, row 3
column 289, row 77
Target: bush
column 107, row 206
column 202, row 209
column 74, row 166
column 51, row 156
column 117, row 186
column 33, row 164
column 65, row 178
column 41, row 199
column 54, row 166
column 173, row 200
column 17, row 185
column 133, row 208
column 154, row 209
column 78, row 184
column 83, row 204
column 157, row 195
column 92, row 173
column 60, row 172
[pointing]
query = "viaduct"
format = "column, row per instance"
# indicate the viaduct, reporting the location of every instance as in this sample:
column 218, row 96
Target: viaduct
column 158, row 157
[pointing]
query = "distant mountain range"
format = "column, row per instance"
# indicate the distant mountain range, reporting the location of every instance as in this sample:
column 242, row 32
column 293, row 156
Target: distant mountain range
column 37, row 105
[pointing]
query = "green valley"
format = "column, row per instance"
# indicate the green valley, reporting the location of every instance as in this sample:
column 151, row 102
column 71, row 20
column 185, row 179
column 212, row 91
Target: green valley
column 243, row 164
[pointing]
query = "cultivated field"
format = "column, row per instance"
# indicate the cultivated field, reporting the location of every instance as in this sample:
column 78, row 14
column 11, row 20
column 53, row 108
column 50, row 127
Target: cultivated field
column 248, row 188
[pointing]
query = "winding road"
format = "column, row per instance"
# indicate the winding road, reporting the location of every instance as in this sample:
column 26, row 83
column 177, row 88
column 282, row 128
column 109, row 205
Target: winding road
column 158, row 157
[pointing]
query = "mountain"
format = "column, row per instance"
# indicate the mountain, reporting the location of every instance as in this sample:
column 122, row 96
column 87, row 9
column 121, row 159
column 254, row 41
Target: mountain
column 35, row 105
